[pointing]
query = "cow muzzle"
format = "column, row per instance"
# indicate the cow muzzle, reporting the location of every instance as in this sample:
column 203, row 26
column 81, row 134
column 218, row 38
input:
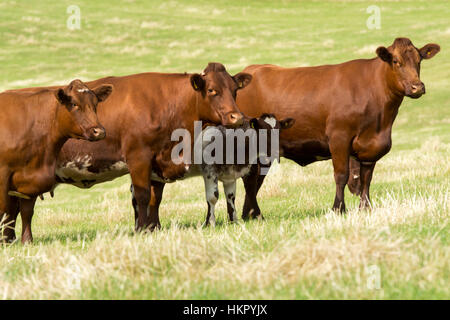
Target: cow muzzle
column 96, row 133
column 234, row 119
column 415, row 90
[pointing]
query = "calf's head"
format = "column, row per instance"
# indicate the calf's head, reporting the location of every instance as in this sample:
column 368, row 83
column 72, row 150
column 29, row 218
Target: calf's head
column 218, row 91
column 269, row 122
column 404, row 60
column 81, row 105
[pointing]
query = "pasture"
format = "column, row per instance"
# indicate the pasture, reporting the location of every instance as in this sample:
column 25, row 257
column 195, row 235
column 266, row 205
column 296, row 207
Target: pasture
column 84, row 245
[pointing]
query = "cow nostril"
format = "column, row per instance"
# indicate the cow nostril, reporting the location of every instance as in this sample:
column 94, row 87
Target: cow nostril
column 98, row 132
column 236, row 118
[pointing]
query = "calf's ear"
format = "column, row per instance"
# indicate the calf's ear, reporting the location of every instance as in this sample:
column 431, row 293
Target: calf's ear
column 384, row 54
column 197, row 82
column 429, row 50
column 62, row 97
column 287, row 123
column 242, row 79
column 102, row 92
column 254, row 124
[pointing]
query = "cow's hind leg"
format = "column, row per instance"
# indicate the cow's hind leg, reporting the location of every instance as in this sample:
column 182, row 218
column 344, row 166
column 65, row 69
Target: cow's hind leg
column 26, row 212
column 340, row 154
column 212, row 195
column 252, row 183
column 230, row 194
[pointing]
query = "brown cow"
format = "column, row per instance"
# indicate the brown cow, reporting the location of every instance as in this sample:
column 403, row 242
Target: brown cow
column 342, row 112
column 139, row 118
column 33, row 128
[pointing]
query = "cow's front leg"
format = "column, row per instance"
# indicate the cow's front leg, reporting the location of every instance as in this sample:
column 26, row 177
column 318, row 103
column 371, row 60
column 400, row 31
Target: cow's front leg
column 26, row 212
column 9, row 233
column 252, row 183
column 212, row 195
column 366, row 177
column 354, row 178
column 340, row 154
column 156, row 190
column 230, row 194
column 140, row 171
column 5, row 221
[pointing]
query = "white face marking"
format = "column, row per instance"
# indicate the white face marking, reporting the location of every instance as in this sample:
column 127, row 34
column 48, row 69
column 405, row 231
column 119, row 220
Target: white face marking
column 270, row 121
column 83, row 90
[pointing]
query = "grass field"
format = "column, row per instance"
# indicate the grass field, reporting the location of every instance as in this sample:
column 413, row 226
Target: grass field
column 84, row 242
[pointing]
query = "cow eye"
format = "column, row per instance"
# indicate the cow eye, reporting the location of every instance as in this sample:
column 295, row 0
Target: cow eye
column 74, row 107
column 212, row 92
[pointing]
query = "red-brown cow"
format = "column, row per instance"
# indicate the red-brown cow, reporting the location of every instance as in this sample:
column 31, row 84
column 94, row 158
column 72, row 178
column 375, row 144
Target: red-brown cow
column 342, row 112
column 33, row 128
column 139, row 118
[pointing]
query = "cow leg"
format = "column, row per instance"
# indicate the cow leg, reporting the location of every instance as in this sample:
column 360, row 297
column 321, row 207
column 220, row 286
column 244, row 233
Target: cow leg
column 340, row 154
column 4, row 201
column 230, row 194
column 26, row 212
column 212, row 195
column 135, row 208
column 252, row 183
column 157, row 189
column 9, row 233
column 140, row 171
column 366, row 177
column 354, row 179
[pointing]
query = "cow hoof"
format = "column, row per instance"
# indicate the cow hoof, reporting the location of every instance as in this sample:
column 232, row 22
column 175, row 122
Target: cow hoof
column 154, row 226
column 339, row 209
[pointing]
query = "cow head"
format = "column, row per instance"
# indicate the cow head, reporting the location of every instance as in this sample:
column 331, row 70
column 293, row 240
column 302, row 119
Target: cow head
column 81, row 103
column 218, row 91
column 404, row 60
column 268, row 122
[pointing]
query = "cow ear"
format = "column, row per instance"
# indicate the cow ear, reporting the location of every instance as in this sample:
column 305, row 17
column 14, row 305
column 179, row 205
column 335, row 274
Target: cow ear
column 287, row 123
column 384, row 54
column 242, row 79
column 429, row 51
column 102, row 92
column 197, row 82
column 254, row 124
column 62, row 97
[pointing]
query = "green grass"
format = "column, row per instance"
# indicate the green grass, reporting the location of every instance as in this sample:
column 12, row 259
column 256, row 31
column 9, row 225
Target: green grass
column 84, row 242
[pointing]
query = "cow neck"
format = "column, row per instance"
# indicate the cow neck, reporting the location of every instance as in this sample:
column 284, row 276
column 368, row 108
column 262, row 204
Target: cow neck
column 59, row 131
column 194, row 112
column 393, row 96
